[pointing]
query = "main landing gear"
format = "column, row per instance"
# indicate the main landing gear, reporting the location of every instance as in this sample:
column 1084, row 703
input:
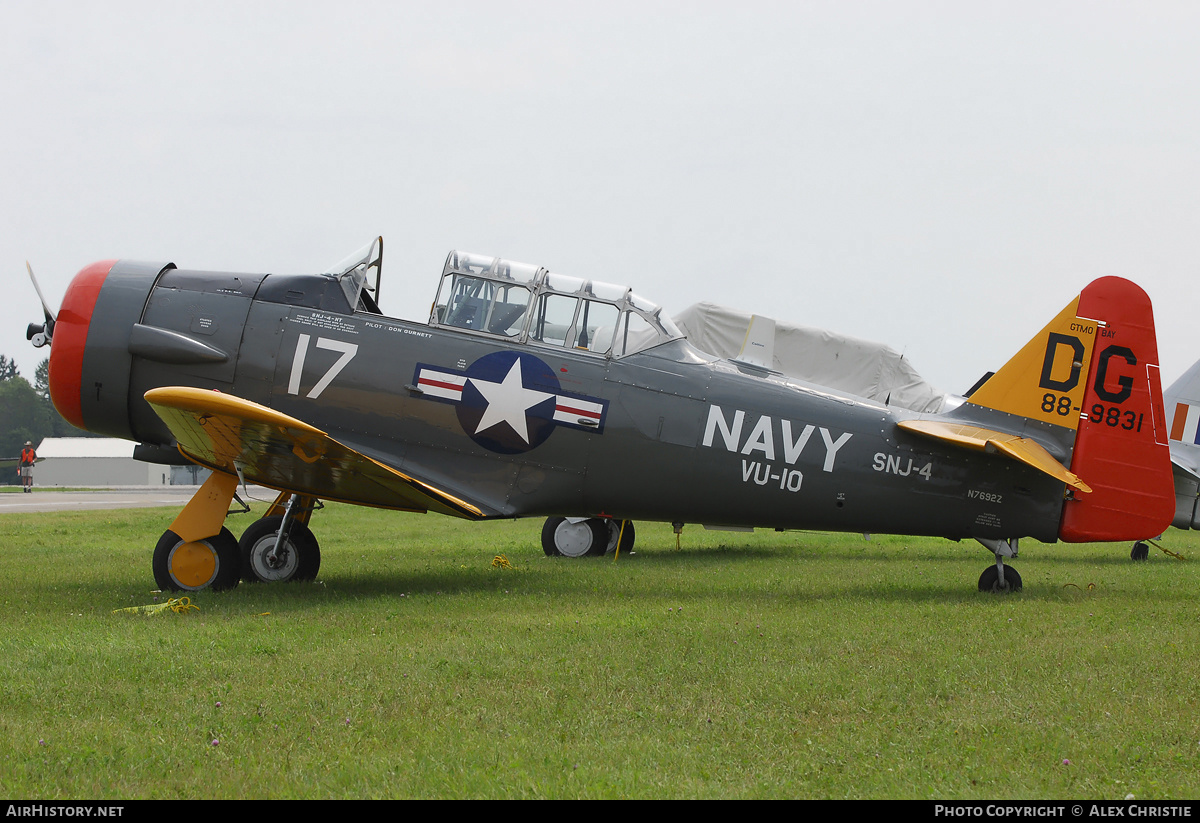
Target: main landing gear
column 585, row 536
column 280, row 546
column 190, row 565
column 198, row 552
column 1000, row 578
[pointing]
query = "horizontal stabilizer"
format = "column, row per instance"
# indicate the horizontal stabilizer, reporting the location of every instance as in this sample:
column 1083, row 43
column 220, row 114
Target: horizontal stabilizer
column 268, row 447
column 1185, row 462
column 1027, row 451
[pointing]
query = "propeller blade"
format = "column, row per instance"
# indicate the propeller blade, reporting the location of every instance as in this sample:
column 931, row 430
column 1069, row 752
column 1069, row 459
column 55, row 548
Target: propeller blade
column 51, row 319
column 45, row 306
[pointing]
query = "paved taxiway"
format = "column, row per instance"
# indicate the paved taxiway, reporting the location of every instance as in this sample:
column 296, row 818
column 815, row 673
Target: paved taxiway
column 126, row 497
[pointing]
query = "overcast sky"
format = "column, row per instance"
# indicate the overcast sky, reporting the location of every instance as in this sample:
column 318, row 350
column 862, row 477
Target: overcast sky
column 941, row 177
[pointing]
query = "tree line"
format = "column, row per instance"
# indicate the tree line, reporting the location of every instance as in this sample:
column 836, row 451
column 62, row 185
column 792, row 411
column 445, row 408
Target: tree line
column 26, row 411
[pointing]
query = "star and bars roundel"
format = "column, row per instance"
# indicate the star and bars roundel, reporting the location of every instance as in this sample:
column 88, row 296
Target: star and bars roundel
column 510, row 402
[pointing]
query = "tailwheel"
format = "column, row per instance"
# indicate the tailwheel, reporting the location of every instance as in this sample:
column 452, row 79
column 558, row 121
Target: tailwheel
column 989, row 581
column 1140, row 551
column 267, row 559
column 563, row 537
column 210, row 563
column 999, row 577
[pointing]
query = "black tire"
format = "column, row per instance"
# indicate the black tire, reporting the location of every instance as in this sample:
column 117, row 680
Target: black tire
column 300, row 554
column 585, row 538
column 1140, row 552
column 989, row 581
column 614, row 531
column 212, row 563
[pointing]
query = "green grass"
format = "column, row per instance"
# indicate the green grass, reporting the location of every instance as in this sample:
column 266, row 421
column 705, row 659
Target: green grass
column 745, row 665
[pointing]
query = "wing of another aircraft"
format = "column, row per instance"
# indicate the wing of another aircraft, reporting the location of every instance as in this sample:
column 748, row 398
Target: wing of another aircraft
column 14, row 462
column 230, row 434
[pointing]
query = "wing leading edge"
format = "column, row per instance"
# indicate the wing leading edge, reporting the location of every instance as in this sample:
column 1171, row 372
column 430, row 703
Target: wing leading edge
column 230, row 434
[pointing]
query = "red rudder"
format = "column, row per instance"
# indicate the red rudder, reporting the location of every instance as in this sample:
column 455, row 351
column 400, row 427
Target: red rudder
column 1121, row 443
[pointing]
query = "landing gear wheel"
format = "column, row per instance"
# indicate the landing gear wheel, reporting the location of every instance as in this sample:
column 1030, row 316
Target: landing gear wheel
column 562, row 538
column 1140, row 552
column 299, row 555
column 614, row 531
column 989, row 581
column 212, row 563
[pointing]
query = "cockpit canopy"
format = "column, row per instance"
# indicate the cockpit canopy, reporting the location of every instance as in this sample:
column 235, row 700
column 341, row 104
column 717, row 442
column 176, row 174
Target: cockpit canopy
column 527, row 303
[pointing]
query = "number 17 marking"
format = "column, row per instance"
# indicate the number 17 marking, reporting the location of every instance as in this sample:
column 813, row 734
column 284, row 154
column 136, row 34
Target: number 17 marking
column 348, row 351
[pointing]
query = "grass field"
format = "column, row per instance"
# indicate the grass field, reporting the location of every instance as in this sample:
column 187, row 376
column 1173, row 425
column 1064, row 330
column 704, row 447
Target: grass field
column 745, row 665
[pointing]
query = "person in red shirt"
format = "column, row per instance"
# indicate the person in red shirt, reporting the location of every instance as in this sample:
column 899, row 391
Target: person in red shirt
column 28, row 458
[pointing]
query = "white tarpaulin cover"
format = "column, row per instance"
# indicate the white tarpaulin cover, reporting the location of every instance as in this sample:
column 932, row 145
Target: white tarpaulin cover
column 816, row 356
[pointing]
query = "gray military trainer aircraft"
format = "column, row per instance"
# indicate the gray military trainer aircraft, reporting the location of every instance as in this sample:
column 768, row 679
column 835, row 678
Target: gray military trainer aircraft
column 1182, row 399
column 531, row 393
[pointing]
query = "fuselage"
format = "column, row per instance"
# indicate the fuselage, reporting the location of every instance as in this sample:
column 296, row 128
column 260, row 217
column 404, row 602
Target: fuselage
column 668, row 433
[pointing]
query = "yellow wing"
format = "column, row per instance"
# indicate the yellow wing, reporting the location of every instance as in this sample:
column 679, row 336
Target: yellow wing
column 228, row 433
column 1029, row 452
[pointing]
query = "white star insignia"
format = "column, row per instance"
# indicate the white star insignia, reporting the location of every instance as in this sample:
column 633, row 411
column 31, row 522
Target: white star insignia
column 508, row 402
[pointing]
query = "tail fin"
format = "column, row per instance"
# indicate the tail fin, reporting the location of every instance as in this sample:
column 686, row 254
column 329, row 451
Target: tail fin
column 1094, row 369
column 1183, row 408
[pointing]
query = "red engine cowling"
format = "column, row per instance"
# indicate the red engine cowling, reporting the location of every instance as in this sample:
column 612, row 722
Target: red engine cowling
column 90, row 361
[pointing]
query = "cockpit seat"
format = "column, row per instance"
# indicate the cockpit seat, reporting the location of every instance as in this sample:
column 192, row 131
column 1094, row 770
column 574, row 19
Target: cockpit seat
column 468, row 313
column 503, row 317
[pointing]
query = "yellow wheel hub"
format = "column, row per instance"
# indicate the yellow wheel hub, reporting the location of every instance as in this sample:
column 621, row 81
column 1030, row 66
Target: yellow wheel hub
column 193, row 565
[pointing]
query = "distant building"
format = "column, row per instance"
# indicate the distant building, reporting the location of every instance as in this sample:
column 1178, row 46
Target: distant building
column 103, row 461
